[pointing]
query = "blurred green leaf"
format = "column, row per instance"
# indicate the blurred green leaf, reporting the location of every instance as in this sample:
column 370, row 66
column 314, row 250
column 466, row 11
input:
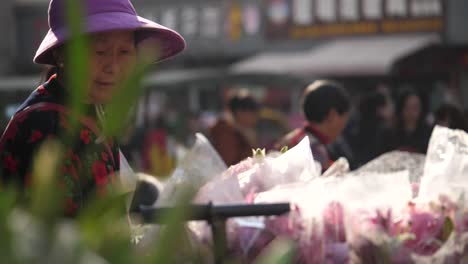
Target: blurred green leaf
column 126, row 96
column 8, row 200
column 77, row 60
column 284, row 149
column 447, row 229
column 174, row 241
column 279, row 251
column 47, row 196
column 105, row 229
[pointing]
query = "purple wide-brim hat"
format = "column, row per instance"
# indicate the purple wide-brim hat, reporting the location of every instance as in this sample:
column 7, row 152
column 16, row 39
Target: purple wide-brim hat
column 109, row 15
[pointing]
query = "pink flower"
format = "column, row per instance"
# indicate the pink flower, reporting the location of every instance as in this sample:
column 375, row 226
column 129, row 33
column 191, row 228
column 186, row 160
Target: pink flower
column 427, row 229
column 415, row 189
column 384, row 222
column 334, row 229
column 337, row 252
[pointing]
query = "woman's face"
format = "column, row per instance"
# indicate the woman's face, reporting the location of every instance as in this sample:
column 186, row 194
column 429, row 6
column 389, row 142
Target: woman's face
column 386, row 111
column 112, row 56
column 412, row 109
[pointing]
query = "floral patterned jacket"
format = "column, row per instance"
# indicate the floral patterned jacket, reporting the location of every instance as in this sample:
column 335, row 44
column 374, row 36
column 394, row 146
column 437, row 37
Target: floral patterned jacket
column 88, row 166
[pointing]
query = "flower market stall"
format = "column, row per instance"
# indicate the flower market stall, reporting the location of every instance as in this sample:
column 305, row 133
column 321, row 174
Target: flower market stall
column 399, row 208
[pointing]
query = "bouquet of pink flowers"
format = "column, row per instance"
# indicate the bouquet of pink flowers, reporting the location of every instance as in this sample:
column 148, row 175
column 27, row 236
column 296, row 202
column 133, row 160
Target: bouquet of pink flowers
column 370, row 216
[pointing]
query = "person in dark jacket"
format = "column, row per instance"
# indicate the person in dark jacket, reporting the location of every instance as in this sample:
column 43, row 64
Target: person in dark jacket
column 374, row 110
column 411, row 132
column 451, row 116
column 234, row 135
column 326, row 106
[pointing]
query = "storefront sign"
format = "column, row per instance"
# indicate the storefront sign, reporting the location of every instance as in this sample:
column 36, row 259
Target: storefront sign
column 331, row 18
column 244, row 20
column 234, row 22
column 251, row 19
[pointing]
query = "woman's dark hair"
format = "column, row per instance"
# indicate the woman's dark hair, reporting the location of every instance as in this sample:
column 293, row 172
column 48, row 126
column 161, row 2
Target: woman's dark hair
column 454, row 116
column 370, row 104
column 402, row 98
column 322, row 96
column 369, row 117
column 242, row 100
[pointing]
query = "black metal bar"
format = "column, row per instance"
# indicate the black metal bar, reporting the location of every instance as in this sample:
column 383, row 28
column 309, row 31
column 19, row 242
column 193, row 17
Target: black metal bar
column 216, row 216
column 218, row 231
column 207, row 212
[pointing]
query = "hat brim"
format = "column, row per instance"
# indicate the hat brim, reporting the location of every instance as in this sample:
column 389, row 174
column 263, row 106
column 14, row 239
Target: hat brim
column 170, row 43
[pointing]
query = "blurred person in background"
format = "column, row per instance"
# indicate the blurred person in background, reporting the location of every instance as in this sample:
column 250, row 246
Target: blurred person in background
column 448, row 115
column 326, row 107
column 194, row 126
column 411, row 132
column 375, row 111
column 90, row 163
column 158, row 150
column 271, row 125
column 466, row 115
column 234, row 135
column 341, row 147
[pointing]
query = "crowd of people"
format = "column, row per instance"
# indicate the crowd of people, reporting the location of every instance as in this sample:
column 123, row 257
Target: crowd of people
column 337, row 126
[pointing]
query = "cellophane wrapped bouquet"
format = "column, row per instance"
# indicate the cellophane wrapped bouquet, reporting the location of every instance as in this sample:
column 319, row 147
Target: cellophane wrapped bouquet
column 399, row 208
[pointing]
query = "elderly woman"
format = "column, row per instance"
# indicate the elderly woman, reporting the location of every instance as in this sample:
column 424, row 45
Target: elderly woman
column 116, row 33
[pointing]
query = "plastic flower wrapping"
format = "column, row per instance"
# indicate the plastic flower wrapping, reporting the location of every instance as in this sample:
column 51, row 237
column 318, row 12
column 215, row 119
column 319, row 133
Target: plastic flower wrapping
column 399, row 208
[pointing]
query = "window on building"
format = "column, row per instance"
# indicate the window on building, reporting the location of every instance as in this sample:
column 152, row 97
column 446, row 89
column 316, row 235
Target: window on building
column 210, row 21
column 169, row 18
column 302, row 12
column 189, row 21
column 326, row 10
column 349, row 10
column 396, row 8
column 372, row 9
column 423, row 8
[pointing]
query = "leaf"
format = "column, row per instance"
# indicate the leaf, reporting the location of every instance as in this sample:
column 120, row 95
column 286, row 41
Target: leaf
column 8, row 200
column 173, row 241
column 258, row 153
column 447, row 229
column 284, row 149
column 126, row 96
column 402, row 238
column 279, row 251
column 104, row 228
column 47, row 204
column 77, row 62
